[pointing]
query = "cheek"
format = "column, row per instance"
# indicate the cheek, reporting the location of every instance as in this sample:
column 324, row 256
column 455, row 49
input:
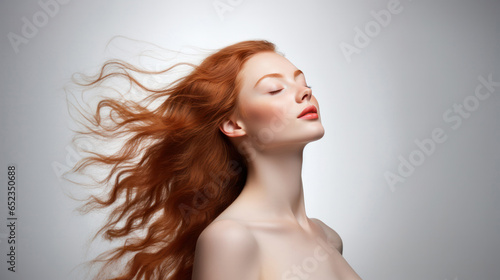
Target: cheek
column 262, row 113
column 259, row 111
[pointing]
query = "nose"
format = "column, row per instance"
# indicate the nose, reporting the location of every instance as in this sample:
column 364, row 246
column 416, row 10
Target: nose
column 303, row 94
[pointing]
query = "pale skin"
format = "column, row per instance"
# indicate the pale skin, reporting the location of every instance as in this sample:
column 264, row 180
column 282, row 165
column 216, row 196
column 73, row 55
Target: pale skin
column 265, row 233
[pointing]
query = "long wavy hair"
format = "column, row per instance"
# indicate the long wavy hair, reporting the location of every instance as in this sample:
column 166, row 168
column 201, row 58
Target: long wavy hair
column 175, row 172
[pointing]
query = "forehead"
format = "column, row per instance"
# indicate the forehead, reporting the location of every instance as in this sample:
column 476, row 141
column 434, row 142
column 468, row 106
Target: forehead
column 265, row 63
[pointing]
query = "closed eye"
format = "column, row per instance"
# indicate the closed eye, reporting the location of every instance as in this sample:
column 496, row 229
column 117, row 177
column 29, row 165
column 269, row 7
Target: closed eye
column 275, row 91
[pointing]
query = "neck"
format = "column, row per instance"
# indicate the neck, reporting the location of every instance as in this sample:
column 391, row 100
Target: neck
column 274, row 185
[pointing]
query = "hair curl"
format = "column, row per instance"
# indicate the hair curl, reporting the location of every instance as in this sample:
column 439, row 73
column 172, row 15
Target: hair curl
column 176, row 171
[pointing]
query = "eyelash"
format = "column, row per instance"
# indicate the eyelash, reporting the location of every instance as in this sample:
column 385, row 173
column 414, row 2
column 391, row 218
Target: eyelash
column 277, row 91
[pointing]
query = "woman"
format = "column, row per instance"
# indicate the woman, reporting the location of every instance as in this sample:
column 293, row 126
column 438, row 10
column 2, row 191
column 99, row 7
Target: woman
column 213, row 174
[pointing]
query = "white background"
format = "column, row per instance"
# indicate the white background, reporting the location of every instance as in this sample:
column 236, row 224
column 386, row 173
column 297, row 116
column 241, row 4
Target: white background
column 441, row 222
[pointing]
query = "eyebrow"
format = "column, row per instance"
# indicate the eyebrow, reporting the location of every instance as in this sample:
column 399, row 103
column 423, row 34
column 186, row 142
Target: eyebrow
column 278, row 75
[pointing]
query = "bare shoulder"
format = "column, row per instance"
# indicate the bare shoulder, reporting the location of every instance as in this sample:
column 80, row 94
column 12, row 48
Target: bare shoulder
column 227, row 232
column 333, row 237
column 226, row 249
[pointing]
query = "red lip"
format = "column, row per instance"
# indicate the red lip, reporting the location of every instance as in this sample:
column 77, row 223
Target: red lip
column 310, row 112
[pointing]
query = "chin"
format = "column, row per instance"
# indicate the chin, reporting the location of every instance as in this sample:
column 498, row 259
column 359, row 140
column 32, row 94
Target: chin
column 318, row 134
column 312, row 134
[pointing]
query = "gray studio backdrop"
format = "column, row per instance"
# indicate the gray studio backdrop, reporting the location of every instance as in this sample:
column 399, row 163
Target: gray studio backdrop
column 409, row 92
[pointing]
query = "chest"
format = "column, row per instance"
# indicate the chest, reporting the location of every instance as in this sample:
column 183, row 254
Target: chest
column 295, row 256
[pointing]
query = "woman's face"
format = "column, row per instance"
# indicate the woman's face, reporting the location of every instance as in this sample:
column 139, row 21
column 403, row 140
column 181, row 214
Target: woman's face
column 276, row 107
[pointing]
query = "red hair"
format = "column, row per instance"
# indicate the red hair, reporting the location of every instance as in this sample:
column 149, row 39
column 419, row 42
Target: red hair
column 176, row 171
